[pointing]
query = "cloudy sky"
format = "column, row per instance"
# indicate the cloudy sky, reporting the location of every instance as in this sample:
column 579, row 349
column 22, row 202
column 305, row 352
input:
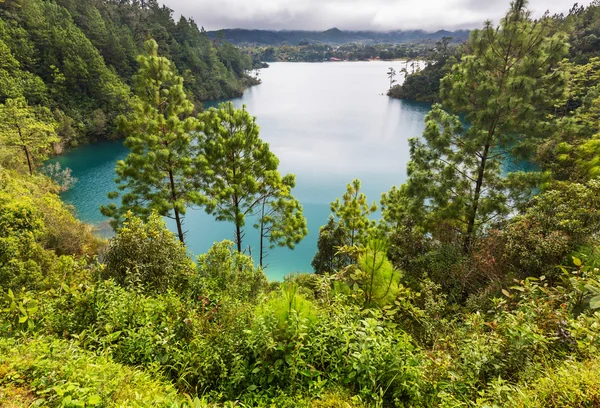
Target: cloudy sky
column 379, row 15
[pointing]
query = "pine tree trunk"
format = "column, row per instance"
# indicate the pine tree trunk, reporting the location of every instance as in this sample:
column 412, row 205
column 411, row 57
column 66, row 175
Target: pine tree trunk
column 179, row 225
column 177, row 215
column 468, row 241
column 26, row 152
column 262, row 233
column 238, row 227
column 28, row 160
column 238, row 236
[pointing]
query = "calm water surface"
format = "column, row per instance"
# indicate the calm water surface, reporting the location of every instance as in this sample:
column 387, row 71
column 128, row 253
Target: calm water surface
column 328, row 123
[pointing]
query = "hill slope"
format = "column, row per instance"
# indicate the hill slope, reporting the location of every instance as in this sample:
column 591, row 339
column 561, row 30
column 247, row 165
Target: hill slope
column 334, row 36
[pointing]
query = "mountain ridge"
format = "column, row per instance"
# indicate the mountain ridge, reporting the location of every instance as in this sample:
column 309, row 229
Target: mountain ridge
column 334, row 36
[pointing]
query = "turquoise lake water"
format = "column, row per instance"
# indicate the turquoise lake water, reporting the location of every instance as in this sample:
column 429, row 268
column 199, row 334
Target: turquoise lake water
column 328, row 123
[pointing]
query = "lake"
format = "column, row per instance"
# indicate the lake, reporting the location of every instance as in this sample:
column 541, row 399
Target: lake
column 328, row 123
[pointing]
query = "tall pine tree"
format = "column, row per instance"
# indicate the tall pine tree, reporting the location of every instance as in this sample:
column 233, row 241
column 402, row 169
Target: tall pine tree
column 504, row 88
column 280, row 219
column 242, row 175
column 157, row 173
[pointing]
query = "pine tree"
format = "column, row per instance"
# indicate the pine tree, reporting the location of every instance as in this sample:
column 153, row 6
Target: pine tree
column 332, row 236
column 352, row 227
column 280, row 219
column 242, row 173
column 157, row 173
column 504, row 88
column 391, row 74
column 353, row 212
column 32, row 130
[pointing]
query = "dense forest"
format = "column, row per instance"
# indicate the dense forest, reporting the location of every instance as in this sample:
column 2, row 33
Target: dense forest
column 476, row 286
column 76, row 59
column 334, row 36
column 582, row 25
column 309, row 52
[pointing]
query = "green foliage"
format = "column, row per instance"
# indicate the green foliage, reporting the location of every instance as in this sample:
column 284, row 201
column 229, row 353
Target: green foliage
column 496, row 325
column 373, row 280
column 280, row 219
column 291, row 310
column 365, row 353
column 351, row 228
column 157, row 173
column 353, row 213
column 35, row 227
column 19, row 311
column 400, row 224
column 77, row 57
column 58, row 373
column 48, row 45
column 571, row 153
column 147, row 255
column 27, row 129
column 239, row 176
column 584, row 30
column 15, row 82
column 557, row 223
column 328, row 258
column 224, row 273
column 574, row 384
column 456, row 170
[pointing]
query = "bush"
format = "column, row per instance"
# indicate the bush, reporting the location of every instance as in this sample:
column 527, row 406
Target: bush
column 35, row 227
column 224, row 272
column 557, row 222
column 50, row 372
column 147, row 256
column 291, row 310
column 573, row 385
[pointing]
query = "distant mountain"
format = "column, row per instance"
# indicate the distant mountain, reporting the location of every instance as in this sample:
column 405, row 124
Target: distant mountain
column 335, row 36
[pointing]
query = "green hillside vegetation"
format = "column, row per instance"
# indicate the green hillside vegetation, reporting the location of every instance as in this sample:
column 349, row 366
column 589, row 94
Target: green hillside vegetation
column 315, row 52
column 423, row 85
column 475, row 288
column 581, row 24
column 334, row 36
column 77, row 58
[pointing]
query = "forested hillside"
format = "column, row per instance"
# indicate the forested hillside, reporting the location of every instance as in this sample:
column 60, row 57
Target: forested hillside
column 77, row 59
column 335, row 36
column 581, row 23
column 477, row 285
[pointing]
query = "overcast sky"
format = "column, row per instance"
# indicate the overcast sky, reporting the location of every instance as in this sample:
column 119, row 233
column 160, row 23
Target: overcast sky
column 381, row 15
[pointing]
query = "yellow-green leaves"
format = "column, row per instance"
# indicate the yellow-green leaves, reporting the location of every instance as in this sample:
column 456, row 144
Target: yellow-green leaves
column 29, row 131
column 353, row 211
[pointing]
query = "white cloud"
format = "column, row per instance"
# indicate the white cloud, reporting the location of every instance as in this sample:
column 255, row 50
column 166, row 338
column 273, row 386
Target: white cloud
column 352, row 14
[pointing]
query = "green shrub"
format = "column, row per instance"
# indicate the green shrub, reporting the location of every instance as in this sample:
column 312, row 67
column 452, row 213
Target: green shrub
column 373, row 281
column 572, row 384
column 291, row 310
column 58, row 373
column 35, row 227
column 557, row 223
column 224, row 272
column 148, row 256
